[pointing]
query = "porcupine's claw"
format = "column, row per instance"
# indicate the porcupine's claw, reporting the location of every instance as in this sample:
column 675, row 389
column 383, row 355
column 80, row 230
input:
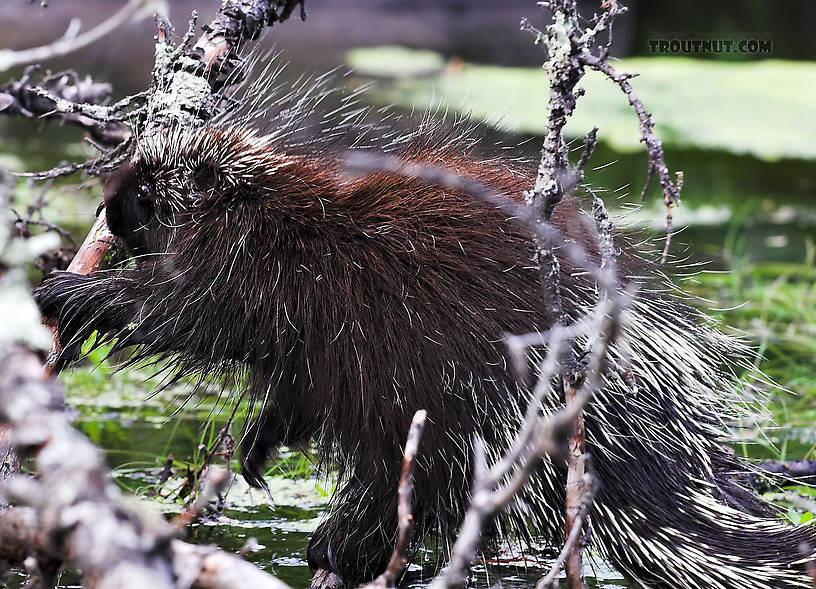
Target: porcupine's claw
column 59, row 298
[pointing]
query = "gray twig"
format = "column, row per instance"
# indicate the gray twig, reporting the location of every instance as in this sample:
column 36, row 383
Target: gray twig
column 570, row 50
column 69, row 99
column 573, row 540
column 399, row 558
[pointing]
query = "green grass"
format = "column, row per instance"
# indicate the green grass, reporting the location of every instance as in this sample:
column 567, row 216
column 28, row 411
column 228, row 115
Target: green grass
column 775, row 305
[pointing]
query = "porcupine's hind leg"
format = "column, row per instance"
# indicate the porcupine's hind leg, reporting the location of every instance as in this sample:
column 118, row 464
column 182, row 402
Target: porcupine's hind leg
column 356, row 540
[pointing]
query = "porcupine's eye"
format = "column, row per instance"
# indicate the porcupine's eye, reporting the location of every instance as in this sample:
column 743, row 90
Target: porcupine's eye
column 145, row 194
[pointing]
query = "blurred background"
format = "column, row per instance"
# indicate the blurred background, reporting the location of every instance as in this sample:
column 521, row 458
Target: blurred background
column 735, row 110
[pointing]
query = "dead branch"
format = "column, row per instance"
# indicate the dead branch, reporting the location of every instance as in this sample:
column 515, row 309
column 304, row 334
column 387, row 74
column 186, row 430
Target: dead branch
column 538, row 437
column 47, row 96
column 212, row 484
column 189, row 80
column 202, row 567
column 79, row 510
column 771, row 474
column 207, row 567
column 25, row 221
column 571, row 49
column 104, row 164
column 572, row 543
column 488, row 495
column 654, row 147
column 238, row 21
column 399, row 558
column 9, row 463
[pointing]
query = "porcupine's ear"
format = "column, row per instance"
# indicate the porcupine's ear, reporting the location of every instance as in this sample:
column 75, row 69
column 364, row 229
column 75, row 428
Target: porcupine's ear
column 207, row 181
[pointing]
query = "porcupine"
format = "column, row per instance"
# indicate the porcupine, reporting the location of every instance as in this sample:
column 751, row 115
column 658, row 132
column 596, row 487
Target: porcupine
column 350, row 302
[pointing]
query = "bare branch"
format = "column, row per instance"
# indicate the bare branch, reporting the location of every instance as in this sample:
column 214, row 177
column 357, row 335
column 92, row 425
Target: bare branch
column 78, row 507
column 495, row 487
column 399, row 558
column 654, row 147
column 570, row 50
column 572, row 542
column 204, row 567
column 213, row 483
column 238, row 21
column 103, row 164
column 66, row 97
column 207, row 567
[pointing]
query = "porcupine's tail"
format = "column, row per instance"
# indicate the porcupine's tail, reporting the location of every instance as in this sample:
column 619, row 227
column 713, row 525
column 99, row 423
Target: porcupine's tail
column 718, row 536
column 672, row 509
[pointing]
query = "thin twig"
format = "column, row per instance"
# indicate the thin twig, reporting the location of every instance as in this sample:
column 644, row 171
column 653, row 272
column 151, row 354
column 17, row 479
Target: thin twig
column 571, row 543
column 654, row 146
column 399, row 558
column 212, row 484
column 65, row 97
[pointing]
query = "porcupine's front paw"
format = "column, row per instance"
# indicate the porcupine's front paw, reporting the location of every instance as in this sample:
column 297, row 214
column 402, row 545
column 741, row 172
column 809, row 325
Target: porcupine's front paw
column 60, row 298
column 55, row 292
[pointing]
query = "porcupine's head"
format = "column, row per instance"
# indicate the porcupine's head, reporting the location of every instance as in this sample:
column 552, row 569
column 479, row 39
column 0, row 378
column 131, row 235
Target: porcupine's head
column 174, row 176
column 177, row 171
